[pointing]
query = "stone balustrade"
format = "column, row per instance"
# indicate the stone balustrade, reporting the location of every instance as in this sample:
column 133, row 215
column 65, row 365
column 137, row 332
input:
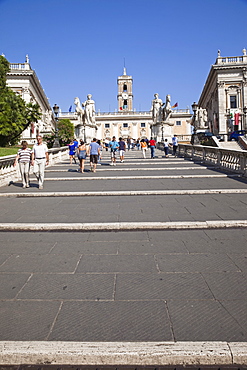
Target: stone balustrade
column 20, row 66
column 228, row 60
column 226, row 159
column 10, row 173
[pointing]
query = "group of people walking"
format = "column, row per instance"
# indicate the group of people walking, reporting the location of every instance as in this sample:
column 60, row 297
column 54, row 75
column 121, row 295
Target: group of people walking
column 38, row 156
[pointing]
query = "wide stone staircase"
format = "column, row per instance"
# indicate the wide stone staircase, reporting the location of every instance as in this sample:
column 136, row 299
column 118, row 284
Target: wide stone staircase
column 148, row 252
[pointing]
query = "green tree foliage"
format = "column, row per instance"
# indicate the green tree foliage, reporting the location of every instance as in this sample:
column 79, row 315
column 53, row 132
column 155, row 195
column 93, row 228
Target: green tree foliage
column 65, row 133
column 15, row 114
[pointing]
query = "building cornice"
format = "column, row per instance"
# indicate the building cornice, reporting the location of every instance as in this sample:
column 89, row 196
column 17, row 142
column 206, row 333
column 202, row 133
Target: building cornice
column 34, row 82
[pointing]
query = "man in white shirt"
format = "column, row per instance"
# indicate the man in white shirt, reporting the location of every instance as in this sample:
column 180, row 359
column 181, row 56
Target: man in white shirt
column 40, row 158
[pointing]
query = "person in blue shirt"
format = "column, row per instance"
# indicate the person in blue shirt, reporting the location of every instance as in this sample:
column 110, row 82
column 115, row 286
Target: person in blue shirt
column 94, row 154
column 72, row 151
column 114, row 146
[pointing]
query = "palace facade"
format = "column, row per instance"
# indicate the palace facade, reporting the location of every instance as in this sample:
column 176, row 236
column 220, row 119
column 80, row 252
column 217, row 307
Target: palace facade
column 23, row 80
column 126, row 122
column 224, row 96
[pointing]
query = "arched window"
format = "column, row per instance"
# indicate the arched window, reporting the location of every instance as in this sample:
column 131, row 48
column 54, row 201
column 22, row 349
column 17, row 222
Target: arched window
column 125, row 89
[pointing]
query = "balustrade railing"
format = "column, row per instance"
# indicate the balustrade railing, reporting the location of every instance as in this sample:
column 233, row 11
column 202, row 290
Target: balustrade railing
column 239, row 59
column 226, row 159
column 19, row 66
column 10, row 173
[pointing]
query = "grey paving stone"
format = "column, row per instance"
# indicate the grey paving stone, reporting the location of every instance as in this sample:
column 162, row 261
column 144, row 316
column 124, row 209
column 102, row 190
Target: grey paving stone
column 161, row 286
column 203, row 320
column 26, row 247
column 143, row 247
column 26, row 320
column 112, row 321
column 116, row 263
column 119, row 236
column 11, row 284
column 84, row 247
column 41, row 237
column 48, row 263
column 240, row 260
column 132, row 306
column 237, row 309
column 221, row 246
column 193, row 236
column 3, row 258
column 237, row 234
column 72, row 287
column 228, row 285
column 194, row 263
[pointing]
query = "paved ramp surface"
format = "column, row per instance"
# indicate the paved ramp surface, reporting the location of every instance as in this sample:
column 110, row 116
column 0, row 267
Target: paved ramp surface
column 147, row 251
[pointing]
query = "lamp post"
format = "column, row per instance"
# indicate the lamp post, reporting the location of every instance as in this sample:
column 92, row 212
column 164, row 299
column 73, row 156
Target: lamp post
column 194, row 108
column 194, row 137
column 162, row 132
column 245, row 117
column 56, row 141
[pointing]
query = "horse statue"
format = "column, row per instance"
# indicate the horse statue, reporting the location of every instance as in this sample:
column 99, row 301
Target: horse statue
column 78, row 109
column 167, row 110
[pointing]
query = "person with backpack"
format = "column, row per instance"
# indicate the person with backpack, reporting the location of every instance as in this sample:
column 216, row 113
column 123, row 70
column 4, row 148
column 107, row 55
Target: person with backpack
column 144, row 147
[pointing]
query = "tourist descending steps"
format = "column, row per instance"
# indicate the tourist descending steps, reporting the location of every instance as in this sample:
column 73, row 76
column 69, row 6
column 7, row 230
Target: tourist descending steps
column 122, row 148
column 114, row 146
column 40, row 158
column 24, row 158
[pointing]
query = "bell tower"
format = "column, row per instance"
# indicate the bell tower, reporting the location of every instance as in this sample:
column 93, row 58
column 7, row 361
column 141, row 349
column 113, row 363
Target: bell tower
column 125, row 96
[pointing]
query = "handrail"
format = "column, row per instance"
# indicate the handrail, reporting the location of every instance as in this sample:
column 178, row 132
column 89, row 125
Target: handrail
column 9, row 172
column 226, row 159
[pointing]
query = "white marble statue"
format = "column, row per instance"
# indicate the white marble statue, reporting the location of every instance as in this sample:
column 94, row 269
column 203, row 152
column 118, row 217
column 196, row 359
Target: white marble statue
column 156, row 108
column 89, row 105
column 201, row 117
column 167, row 110
column 78, row 109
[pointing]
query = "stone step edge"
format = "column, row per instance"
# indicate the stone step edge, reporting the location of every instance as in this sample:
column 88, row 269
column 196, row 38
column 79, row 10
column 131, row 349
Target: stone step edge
column 123, row 193
column 144, row 177
column 107, row 168
column 122, row 353
column 123, row 226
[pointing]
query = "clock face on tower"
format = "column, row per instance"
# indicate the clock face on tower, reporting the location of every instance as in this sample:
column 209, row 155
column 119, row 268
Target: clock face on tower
column 124, row 96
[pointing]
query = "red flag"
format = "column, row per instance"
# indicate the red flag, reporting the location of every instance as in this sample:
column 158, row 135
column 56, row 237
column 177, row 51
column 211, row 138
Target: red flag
column 236, row 117
column 121, row 108
column 175, row 105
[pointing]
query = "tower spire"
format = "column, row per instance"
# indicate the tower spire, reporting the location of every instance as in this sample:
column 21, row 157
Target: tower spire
column 124, row 71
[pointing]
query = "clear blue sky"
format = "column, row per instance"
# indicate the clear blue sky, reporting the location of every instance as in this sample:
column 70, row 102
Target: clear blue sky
column 78, row 47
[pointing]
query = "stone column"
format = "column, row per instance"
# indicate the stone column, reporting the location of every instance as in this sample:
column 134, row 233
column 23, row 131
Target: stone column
column 99, row 132
column 134, row 130
column 115, row 130
column 222, row 108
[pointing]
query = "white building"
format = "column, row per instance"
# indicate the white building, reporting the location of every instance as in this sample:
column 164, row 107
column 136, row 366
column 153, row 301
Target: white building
column 23, row 81
column 126, row 122
column 224, row 95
